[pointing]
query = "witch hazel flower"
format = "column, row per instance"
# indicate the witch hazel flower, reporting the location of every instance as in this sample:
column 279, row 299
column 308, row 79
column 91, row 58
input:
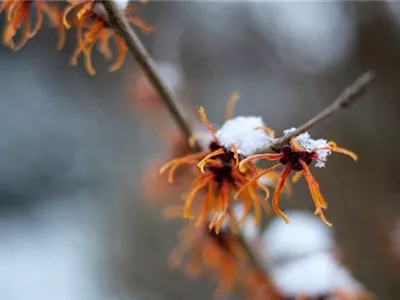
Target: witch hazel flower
column 296, row 156
column 91, row 22
column 201, row 251
column 19, row 16
column 219, row 177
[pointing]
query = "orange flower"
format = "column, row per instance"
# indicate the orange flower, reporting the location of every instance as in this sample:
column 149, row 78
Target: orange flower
column 296, row 157
column 91, row 21
column 18, row 15
column 218, row 175
column 223, row 257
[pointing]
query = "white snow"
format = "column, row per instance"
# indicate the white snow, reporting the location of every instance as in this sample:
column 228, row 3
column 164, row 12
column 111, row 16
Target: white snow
column 309, row 144
column 242, row 133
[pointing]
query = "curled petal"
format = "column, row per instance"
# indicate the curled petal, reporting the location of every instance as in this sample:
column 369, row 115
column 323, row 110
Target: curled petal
column 39, row 19
column 204, row 161
column 344, row 151
column 24, row 35
column 201, row 183
column 319, row 201
column 296, row 147
column 17, row 16
column 55, row 16
column 268, row 130
column 121, row 54
column 268, row 156
column 104, row 46
column 230, row 105
column 220, row 216
column 319, row 212
column 277, row 192
column 204, row 119
column 255, row 179
column 140, row 24
column 296, row 177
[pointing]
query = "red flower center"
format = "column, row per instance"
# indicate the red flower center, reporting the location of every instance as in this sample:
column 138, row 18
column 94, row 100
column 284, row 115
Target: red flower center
column 293, row 158
column 223, row 171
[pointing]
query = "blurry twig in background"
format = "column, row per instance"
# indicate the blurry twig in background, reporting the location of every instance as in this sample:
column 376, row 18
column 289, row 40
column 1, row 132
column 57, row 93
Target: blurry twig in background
column 119, row 23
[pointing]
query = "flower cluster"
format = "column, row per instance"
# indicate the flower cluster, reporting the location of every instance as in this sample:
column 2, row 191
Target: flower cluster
column 219, row 176
column 202, row 251
column 89, row 18
column 297, row 156
column 91, row 22
column 18, row 16
column 228, row 175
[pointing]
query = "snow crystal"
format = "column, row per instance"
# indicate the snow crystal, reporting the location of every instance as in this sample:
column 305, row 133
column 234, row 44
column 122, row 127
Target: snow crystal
column 309, row 144
column 242, row 133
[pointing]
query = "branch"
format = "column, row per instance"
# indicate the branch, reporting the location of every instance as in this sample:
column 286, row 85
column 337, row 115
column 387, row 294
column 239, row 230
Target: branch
column 119, row 23
column 347, row 98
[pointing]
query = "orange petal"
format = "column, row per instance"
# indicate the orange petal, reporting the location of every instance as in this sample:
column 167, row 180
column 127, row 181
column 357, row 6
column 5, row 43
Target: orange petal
column 200, row 183
column 296, row 177
column 277, row 192
column 104, row 46
column 182, row 160
column 296, row 145
column 203, row 162
column 140, row 24
column 313, row 185
column 39, row 19
column 88, row 59
column 24, row 34
column 268, row 130
column 204, row 119
column 230, row 105
column 268, row 156
column 253, row 180
column 55, row 16
column 344, row 151
column 121, row 54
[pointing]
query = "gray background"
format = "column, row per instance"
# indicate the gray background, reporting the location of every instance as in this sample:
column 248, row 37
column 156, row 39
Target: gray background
column 73, row 224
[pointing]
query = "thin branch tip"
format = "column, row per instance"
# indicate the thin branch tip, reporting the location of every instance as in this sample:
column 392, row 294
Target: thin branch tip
column 348, row 97
column 351, row 94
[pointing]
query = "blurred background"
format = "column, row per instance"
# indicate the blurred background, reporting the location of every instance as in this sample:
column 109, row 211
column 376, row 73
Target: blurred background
column 74, row 148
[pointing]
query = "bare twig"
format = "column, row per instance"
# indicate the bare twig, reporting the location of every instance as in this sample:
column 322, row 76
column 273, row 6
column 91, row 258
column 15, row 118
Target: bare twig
column 347, row 98
column 119, row 23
